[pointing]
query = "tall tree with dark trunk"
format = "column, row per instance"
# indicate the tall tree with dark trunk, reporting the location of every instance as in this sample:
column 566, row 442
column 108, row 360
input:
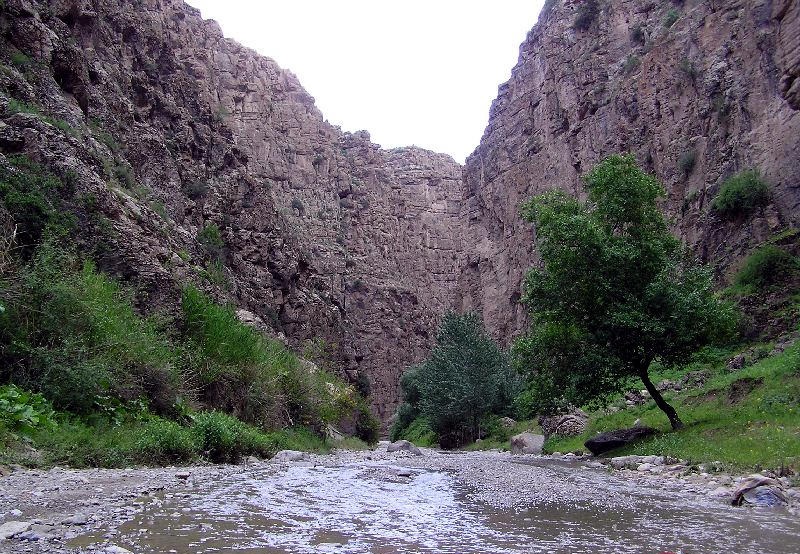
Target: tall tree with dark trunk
column 614, row 292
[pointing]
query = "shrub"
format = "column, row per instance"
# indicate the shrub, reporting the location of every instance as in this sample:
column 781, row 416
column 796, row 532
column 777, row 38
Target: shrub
column 741, row 195
column 297, row 204
column 30, row 194
column 686, row 162
column 20, row 60
column 588, row 11
column 638, row 34
column 688, row 67
column 225, row 439
column 768, row 265
column 367, row 425
column 210, row 238
column 161, row 441
column 672, row 16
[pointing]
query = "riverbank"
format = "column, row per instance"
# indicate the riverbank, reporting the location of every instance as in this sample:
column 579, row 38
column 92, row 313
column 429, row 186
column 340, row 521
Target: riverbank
column 142, row 510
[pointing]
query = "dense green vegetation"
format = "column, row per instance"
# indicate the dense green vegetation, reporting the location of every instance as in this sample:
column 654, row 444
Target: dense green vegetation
column 741, row 195
column 615, row 292
column 765, row 267
column 451, row 395
column 132, row 389
column 744, row 419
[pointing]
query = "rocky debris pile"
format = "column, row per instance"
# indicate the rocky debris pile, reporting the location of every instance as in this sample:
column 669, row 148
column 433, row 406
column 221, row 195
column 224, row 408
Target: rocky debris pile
column 605, row 442
column 570, row 424
column 527, row 443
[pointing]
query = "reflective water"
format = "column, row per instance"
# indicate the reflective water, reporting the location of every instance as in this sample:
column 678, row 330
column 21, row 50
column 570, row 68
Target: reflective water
column 364, row 508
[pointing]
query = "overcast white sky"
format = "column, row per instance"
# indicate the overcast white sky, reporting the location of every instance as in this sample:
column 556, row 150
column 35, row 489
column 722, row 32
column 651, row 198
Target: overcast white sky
column 420, row 72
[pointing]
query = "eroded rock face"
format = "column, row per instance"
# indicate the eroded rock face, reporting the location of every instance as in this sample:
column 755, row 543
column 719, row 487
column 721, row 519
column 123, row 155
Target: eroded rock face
column 711, row 95
column 172, row 128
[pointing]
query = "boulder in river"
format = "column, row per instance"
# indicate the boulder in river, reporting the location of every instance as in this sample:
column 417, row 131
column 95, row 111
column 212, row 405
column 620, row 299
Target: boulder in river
column 605, row 442
column 758, row 490
column 289, row 456
column 404, row 446
column 527, row 443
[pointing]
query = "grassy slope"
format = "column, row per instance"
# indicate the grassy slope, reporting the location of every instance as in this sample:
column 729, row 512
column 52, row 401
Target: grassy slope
column 724, row 421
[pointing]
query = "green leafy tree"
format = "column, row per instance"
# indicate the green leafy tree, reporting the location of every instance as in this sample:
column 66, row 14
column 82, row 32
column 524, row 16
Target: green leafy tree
column 466, row 377
column 615, row 291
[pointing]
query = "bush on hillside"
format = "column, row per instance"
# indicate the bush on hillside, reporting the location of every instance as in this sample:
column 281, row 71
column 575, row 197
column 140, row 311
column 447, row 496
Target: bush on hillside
column 588, row 10
column 741, row 195
column 766, row 266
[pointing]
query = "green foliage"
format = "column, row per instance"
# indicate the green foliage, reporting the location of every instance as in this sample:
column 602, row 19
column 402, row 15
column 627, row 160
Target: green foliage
column 20, row 60
column 23, row 412
column 225, row 439
column 688, row 67
column 588, row 11
column 18, row 106
column 741, row 195
column 210, row 238
column 465, row 378
column 615, row 292
column 766, row 266
column 30, row 194
column 196, row 189
column 71, row 333
column 671, row 18
column 161, row 441
column 419, row 432
column 757, row 429
column 367, row 425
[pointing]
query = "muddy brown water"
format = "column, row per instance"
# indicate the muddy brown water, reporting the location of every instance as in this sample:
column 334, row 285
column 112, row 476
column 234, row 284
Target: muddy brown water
column 365, row 507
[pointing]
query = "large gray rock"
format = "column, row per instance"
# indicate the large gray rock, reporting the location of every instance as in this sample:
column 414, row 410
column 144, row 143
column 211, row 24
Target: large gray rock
column 404, row 446
column 285, row 456
column 12, row 528
column 758, row 490
column 569, row 424
column 527, row 443
column 605, row 442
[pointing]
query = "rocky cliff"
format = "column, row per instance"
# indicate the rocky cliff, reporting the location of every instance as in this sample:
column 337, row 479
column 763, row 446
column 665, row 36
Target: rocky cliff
column 169, row 131
column 697, row 90
column 192, row 158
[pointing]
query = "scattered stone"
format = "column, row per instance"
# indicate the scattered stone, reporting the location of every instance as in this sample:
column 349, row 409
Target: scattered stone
column 605, row 442
column 289, row 456
column 527, row 443
column 758, row 490
column 183, row 475
column 77, row 519
column 404, row 472
column 12, row 528
column 404, row 446
column 114, row 549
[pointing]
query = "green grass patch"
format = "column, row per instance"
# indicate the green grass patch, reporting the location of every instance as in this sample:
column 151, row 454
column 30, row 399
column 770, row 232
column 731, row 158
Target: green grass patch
column 745, row 419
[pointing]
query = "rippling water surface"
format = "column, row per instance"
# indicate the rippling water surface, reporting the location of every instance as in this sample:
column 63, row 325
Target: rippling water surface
column 365, row 508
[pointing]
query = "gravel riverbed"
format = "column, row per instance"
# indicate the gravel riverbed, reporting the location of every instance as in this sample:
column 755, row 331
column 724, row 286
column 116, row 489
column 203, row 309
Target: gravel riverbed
column 135, row 510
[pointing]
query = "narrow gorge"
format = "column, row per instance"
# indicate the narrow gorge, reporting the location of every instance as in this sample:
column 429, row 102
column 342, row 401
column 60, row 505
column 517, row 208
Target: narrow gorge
column 164, row 128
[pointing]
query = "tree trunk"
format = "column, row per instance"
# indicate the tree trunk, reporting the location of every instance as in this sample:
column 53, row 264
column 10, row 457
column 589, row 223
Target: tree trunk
column 674, row 420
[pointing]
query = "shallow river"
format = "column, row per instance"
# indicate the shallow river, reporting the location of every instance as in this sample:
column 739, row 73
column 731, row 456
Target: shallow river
column 365, row 506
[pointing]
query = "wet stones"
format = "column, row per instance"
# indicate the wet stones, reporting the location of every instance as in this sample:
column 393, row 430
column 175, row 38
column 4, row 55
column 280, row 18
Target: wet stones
column 758, row 490
column 13, row 528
